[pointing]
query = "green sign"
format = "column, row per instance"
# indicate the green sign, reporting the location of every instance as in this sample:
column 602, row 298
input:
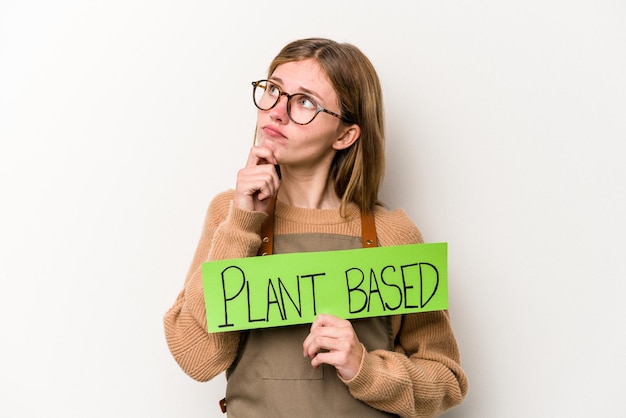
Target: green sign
column 289, row 289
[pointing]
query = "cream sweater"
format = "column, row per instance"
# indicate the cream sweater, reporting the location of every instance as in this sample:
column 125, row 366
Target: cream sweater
column 422, row 377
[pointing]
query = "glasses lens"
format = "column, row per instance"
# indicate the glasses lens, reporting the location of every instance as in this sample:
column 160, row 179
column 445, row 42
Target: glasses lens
column 266, row 94
column 302, row 108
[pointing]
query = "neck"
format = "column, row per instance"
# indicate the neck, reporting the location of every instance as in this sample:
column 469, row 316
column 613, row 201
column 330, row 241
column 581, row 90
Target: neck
column 309, row 192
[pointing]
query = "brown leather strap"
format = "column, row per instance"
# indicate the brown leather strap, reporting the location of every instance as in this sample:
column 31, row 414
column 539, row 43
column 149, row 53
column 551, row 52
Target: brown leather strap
column 267, row 231
column 368, row 231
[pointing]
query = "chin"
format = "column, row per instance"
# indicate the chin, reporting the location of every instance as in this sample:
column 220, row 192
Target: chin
column 269, row 144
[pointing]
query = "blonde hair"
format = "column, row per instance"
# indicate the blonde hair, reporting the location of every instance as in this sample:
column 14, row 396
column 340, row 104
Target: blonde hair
column 358, row 170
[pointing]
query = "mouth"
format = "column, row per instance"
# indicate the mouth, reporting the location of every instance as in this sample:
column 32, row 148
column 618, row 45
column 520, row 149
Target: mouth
column 272, row 132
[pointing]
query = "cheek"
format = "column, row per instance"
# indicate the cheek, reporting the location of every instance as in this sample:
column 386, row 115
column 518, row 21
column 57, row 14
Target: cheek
column 326, row 138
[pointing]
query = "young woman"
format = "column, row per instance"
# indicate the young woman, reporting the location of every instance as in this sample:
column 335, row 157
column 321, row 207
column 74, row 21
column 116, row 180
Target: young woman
column 314, row 174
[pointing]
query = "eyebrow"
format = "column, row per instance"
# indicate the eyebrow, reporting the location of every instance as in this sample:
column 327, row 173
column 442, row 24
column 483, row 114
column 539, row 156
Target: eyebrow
column 302, row 89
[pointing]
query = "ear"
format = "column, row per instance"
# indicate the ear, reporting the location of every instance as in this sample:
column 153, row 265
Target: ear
column 347, row 136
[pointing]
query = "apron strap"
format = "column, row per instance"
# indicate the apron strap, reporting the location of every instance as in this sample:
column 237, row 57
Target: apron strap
column 267, row 231
column 368, row 231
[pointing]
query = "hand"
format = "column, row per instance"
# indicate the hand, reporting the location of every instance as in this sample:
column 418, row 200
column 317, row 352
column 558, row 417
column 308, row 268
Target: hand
column 258, row 181
column 333, row 341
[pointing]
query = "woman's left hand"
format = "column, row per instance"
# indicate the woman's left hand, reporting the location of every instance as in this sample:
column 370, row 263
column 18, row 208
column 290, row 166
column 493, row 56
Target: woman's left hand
column 333, row 341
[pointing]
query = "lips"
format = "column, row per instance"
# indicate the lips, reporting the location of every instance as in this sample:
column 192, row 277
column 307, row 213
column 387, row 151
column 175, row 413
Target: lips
column 272, row 132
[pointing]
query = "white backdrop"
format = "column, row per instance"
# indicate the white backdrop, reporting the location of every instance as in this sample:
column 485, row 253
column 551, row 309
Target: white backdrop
column 119, row 120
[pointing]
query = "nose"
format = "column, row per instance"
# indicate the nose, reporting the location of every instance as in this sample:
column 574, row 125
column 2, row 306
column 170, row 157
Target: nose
column 279, row 111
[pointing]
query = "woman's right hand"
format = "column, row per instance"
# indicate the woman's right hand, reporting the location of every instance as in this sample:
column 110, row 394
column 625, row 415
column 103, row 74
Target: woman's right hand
column 258, row 181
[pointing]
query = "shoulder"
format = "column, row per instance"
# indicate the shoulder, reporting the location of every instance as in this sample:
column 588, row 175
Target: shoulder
column 394, row 227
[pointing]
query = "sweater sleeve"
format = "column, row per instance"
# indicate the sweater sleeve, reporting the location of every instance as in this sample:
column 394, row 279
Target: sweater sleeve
column 422, row 377
column 228, row 232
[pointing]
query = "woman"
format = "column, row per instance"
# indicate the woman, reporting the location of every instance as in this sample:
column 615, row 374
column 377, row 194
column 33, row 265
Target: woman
column 314, row 173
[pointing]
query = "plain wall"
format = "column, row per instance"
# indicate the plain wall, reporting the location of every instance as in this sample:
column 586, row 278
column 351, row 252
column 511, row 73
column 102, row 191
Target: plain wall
column 119, row 121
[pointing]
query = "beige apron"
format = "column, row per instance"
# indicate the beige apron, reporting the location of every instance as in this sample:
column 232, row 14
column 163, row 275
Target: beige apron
column 270, row 376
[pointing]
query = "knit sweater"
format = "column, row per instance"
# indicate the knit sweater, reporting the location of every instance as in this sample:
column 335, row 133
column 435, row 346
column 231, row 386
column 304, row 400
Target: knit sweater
column 421, row 377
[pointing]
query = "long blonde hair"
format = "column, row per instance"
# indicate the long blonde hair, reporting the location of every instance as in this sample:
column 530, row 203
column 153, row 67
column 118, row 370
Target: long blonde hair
column 358, row 170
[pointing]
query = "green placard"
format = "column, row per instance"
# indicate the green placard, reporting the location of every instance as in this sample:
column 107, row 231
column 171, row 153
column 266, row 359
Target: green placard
column 289, row 289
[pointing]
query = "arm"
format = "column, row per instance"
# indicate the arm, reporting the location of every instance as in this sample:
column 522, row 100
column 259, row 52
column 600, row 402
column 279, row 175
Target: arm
column 231, row 230
column 422, row 377
column 228, row 232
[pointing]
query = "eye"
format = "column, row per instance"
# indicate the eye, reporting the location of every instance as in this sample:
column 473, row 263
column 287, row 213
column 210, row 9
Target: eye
column 272, row 90
column 305, row 102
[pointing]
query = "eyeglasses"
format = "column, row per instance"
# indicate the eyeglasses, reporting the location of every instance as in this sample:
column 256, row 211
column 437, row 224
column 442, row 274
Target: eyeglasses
column 301, row 108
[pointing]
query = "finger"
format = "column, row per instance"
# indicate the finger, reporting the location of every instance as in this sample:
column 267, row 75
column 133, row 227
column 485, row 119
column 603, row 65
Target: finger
column 325, row 320
column 316, row 345
column 268, row 180
column 346, row 361
column 255, row 184
column 324, row 325
column 328, row 338
column 262, row 182
column 309, row 351
column 259, row 155
column 332, row 358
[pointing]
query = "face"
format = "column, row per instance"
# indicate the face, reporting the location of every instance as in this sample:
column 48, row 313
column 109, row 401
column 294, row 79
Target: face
column 310, row 145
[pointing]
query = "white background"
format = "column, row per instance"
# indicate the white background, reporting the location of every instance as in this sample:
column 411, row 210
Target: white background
column 119, row 121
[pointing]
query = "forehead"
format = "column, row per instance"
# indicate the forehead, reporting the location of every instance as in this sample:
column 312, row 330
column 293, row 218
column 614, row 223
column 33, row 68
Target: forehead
column 305, row 75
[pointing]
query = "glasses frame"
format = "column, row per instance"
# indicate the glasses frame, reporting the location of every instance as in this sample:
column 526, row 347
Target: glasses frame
column 319, row 109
